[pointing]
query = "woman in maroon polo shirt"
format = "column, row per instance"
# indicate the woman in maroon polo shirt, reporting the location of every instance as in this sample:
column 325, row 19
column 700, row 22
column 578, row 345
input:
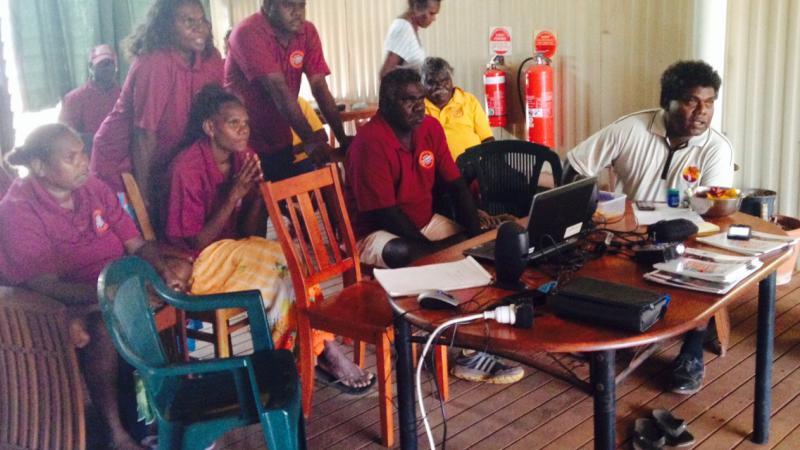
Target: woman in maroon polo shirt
column 215, row 210
column 60, row 228
column 173, row 58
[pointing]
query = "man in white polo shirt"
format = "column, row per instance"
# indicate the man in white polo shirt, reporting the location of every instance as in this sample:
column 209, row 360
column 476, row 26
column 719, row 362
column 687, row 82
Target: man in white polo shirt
column 650, row 151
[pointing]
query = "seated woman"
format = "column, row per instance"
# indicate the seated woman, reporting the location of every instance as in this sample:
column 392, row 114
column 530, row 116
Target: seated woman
column 60, row 228
column 215, row 210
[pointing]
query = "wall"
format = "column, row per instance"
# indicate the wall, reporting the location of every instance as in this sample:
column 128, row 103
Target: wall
column 608, row 63
column 762, row 110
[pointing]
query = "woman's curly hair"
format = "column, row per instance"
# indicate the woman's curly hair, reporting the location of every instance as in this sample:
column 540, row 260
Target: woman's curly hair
column 157, row 30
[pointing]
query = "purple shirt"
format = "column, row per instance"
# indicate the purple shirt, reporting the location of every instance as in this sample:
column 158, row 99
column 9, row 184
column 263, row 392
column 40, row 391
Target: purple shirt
column 197, row 190
column 40, row 237
column 254, row 53
column 85, row 108
column 156, row 97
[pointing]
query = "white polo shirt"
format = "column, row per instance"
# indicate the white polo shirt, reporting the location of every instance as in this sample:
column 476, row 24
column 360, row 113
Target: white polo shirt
column 636, row 147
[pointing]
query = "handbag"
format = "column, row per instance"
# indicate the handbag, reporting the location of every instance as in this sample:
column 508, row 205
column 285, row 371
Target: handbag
column 612, row 304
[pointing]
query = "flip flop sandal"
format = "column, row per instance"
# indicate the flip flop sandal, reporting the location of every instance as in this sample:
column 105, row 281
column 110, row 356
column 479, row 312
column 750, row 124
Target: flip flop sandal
column 330, row 380
column 674, row 429
column 647, row 435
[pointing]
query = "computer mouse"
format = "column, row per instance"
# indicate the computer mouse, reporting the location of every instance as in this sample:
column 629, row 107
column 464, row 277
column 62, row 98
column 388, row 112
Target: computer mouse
column 436, row 299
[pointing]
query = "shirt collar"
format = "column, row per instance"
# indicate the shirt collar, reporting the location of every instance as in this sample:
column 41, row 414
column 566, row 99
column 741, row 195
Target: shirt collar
column 658, row 126
column 457, row 99
column 214, row 174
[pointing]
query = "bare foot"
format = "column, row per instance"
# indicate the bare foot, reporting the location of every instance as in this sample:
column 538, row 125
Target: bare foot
column 334, row 361
column 77, row 333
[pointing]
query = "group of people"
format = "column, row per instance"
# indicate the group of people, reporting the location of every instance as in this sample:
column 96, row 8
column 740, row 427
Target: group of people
column 199, row 133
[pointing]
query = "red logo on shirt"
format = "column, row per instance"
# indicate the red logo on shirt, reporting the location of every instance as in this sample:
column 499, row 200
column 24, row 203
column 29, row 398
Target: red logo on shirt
column 426, row 159
column 296, row 59
column 100, row 225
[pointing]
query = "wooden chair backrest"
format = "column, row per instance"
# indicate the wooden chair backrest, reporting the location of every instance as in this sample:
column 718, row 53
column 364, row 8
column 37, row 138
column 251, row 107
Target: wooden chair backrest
column 137, row 203
column 318, row 241
column 41, row 394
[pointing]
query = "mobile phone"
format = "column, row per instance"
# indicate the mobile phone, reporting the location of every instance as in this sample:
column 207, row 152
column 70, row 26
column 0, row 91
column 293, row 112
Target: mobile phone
column 645, row 205
column 740, row 232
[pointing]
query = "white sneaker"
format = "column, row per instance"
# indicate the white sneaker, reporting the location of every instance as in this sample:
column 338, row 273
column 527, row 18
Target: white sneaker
column 483, row 367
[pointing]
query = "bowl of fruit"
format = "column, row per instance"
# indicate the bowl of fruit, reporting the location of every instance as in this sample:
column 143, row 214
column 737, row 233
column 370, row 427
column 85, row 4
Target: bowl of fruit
column 715, row 201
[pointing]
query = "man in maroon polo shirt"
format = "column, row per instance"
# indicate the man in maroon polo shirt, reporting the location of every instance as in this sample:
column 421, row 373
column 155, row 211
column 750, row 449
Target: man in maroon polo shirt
column 392, row 167
column 269, row 53
column 84, row 108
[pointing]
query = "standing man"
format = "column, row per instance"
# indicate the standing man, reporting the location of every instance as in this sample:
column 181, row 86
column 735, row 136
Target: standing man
column 85, row 108
column 650, row 150
column 461, row 115
column 269, row 53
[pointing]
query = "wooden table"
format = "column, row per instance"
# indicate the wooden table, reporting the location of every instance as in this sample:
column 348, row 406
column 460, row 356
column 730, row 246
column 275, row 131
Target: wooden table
column 687, row 310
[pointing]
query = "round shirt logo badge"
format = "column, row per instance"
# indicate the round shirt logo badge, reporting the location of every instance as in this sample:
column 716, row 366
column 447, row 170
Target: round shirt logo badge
column 99, row 223
column 296, row 59
column 426, row 159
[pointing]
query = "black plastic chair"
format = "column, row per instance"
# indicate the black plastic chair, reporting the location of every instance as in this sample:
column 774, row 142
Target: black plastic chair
column 507, row 173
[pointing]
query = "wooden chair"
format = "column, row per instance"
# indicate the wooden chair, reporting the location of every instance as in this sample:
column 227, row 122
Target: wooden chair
column 41, row 393
column 167, row 317
column 318, row 249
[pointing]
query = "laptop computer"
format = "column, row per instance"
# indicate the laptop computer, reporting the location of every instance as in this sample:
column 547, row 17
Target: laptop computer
column 556, row 218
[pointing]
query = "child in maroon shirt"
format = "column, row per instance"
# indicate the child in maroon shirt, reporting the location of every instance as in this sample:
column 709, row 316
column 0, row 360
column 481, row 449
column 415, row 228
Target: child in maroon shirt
column 60, row 228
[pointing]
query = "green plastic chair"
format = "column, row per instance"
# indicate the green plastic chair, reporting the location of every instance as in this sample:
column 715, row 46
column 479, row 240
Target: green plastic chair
column 197, row 402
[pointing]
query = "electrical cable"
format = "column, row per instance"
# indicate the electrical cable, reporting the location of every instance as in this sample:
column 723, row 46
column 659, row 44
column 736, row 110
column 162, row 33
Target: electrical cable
column 503, row 314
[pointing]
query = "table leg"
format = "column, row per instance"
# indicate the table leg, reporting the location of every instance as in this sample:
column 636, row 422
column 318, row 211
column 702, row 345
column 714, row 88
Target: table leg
column 405, row 384
column 766, row 335
column 605, row 409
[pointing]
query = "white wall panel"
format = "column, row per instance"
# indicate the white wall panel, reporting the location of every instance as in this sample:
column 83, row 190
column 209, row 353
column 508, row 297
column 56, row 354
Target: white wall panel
column 611, row 52
column 762, row 88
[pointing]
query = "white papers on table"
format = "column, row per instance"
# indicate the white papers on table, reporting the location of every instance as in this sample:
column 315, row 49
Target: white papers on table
column 462, row 274
column 710, row 266
column 759, row 243
column 664, row 212
column 705, row 271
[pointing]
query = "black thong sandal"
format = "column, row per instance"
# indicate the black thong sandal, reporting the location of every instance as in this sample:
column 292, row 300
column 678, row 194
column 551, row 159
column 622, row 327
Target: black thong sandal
column 647, row 435
column 330, row 380
column 674, row 429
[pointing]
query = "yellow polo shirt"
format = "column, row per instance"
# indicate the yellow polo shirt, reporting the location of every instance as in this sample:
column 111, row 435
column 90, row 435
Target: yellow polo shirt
column 464, row 122
column 313, row 121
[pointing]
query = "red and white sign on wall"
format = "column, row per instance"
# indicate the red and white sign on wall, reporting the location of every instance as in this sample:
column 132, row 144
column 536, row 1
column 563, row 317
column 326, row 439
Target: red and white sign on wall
column 499, row 41
column 545, row 42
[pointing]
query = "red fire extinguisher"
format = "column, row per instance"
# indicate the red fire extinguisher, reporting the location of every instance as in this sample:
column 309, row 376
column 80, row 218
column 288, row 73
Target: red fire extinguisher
column 494, row 85
column 539, row 102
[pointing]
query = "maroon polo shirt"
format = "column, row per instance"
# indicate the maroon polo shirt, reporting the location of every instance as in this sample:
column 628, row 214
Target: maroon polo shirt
column 85, row 108
column 197, row 191
column 254, row 52
column 156, row 97
column 382, row 173
column 40, row 237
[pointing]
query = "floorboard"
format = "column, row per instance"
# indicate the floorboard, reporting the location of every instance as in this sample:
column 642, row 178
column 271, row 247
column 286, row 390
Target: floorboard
column 541, row 411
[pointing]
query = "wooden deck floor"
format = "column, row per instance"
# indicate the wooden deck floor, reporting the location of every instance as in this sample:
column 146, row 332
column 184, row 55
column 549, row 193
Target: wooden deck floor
column 544, row 412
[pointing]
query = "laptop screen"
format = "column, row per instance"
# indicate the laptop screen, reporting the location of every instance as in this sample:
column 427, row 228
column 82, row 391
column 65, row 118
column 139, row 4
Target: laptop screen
column 560, row 213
